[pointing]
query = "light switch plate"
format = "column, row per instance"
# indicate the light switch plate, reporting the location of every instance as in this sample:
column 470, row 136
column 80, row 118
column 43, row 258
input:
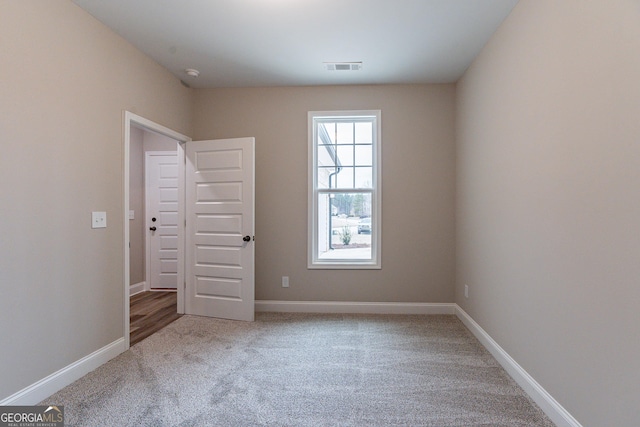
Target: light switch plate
column 132, row 214
column 98, row 220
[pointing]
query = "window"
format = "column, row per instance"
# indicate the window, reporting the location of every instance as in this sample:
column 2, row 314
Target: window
column 344, row 189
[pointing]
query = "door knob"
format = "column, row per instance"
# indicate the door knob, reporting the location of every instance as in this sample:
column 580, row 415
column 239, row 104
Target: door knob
column 152, row 228
column 246, row 238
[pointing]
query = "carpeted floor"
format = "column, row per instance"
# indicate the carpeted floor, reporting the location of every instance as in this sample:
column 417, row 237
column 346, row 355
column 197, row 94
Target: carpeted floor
column 302, row 370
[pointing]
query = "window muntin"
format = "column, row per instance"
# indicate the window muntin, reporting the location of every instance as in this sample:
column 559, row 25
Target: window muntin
column 344, row 195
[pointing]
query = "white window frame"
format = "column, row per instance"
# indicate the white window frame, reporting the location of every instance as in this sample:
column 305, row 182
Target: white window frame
column 314, row 262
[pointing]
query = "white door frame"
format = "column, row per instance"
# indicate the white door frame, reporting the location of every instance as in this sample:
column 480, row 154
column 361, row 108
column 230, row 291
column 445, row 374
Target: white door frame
column 131, row 120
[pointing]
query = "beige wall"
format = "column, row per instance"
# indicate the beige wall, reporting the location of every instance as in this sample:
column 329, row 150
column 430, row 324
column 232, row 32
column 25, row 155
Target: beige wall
column 548, row 177
column 418, row 187
column 65, row 80
column 156, row 142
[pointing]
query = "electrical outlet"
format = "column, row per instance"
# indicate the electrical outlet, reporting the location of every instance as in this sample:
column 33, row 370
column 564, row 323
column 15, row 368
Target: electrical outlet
column 285, row 281
column 466, row 291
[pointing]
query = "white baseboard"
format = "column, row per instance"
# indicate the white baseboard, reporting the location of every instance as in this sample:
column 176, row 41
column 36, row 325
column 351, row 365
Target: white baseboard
column 137, row 288
column 45, row 387
column 560, row 416
column 354, row 307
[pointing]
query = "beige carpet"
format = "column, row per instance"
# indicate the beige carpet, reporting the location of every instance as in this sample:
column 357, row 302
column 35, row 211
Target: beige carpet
column 302, row 370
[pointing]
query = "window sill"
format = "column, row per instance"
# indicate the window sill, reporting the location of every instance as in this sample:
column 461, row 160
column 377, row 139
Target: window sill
column 333, row 265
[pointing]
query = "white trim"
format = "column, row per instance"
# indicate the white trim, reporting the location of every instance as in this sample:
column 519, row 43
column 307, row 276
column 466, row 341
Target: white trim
column 47, row 386
column 130, row 120
column 137, row 288
column 353, row 307
column 560, row 416
column 182, row 221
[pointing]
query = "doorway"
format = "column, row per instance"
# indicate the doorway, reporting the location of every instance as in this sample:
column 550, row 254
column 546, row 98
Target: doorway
column 142, row 135
column 215, row 218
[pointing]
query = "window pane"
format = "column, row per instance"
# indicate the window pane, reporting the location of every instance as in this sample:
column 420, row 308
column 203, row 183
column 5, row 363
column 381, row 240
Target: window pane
column 344, row 226
column 345, row 178
column 364, row 133
column 326, row 174
column 325, row 153
column 345, row 133
column 331, row 132
column 345, row 155
column 324, row 217
column 364, row 177
column 364, row 155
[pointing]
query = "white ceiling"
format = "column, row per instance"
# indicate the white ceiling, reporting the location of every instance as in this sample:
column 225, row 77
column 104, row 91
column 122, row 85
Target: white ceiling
column 285, row 42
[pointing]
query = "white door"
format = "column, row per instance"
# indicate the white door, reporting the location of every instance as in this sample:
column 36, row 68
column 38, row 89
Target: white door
column 161, row 178
column 219, row 258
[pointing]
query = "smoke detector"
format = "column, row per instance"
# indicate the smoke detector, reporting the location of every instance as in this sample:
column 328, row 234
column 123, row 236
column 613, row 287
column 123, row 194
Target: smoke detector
column 192, row 72
column 342, row 66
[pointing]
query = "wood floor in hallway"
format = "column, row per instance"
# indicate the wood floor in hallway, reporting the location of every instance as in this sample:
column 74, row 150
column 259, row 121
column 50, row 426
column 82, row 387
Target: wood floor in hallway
column 150, row 312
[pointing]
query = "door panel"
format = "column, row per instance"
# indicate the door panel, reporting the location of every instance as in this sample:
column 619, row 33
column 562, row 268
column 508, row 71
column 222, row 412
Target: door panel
column 220, row 212
column 162, row 204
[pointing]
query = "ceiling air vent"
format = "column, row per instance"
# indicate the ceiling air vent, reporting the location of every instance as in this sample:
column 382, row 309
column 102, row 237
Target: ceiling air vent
column 343, row 66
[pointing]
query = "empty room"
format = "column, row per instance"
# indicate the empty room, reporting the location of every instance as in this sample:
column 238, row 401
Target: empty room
column 366, row 212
